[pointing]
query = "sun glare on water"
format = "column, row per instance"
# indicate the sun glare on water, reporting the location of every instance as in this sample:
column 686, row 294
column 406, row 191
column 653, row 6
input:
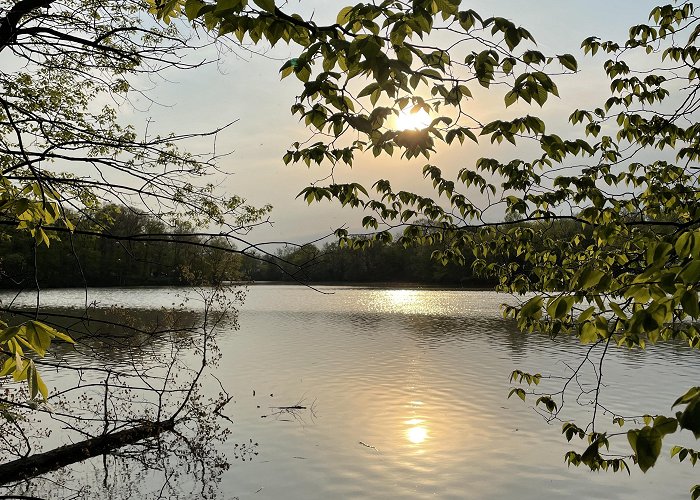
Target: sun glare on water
column 401, row 297
column 408, row 120
column 416, row 433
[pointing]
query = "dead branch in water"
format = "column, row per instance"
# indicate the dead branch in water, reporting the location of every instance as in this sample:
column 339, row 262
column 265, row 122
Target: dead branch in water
column 25, row 468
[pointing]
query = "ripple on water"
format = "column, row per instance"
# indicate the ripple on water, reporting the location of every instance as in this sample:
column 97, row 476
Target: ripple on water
column 406, row 397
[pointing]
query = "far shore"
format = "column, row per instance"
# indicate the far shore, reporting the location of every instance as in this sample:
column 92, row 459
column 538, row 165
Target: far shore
column 360, row 284
column 349, row 284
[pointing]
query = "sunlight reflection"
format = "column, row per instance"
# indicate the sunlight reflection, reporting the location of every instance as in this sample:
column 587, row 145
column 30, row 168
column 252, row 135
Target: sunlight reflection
column 417, row 431
column 402, row 299
column 417, row 435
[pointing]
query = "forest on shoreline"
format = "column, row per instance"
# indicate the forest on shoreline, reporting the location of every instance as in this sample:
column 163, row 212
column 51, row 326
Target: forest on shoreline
column 115, row 252
column 124, row 259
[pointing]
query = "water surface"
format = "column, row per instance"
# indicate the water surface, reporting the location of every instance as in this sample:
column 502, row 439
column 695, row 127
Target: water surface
column 404, row 396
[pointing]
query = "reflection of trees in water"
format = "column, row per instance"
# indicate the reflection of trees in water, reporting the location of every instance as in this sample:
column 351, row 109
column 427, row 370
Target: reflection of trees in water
column 129, row 369
column 118, row 334
column 170, row 466
column 434, row 331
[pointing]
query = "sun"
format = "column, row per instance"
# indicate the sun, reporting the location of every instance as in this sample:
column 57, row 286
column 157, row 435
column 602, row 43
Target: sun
column 409, row 120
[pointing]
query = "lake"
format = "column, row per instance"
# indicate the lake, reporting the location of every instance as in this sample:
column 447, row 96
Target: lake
column 402, row 393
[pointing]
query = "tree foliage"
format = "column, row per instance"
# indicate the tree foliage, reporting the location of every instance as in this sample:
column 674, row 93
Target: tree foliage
column 381, row 263
column 73, row 174
column 64, row 153
column 118, row 246
column 627, row 176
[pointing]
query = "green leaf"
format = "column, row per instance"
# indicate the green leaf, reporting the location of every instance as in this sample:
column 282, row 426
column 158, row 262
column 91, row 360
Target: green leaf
column 692, row 395
column 266, row 5
column 8, row 366
column 40, row 385
column 690, row 273
column 585, row 314
column 517, row 391
column 21, row 370
column 224, row 5
column 589, row 333
column 548, row 402
column 684, row 245
column 695, row 492
column 39, row 336
column 589, row 278
column 32, row 379
column 344, row 15
column 563, row 307
column 192, row 8
column 568, row 61
column 617, row 310
column 11, row 332
column 591, row 456
column 63, row 336
column 532, row 307
column 665, row 425
column 690, row 418
column 689, row 301
column 646, row 444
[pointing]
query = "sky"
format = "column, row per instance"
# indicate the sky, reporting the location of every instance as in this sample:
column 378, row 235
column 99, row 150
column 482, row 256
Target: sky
column 246, row 87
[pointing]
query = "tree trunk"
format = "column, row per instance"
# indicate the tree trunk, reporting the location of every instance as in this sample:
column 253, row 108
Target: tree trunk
column 34, row 465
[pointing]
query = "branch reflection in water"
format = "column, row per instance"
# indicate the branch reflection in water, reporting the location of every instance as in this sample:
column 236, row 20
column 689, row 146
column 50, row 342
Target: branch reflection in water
column 131, row 367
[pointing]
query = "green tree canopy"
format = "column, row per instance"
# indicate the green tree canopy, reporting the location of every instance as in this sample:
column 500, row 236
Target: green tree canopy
column 626, row 176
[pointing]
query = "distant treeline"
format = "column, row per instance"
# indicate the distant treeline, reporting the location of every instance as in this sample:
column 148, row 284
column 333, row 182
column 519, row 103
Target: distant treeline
column 74, row 260
column 394, row 263
column 380, row 263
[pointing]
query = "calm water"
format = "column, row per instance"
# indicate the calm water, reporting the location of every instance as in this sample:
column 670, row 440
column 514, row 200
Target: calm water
column 405, row 395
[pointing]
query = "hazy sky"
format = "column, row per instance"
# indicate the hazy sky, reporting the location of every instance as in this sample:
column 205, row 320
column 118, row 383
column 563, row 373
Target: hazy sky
column 247, row 87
